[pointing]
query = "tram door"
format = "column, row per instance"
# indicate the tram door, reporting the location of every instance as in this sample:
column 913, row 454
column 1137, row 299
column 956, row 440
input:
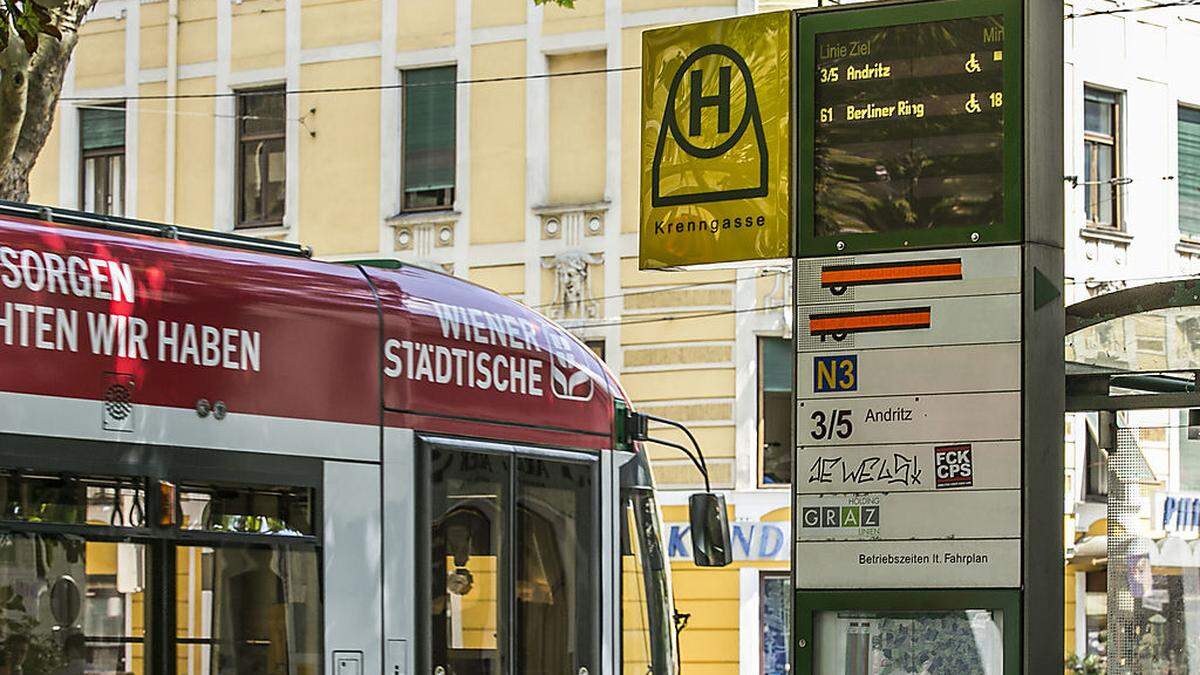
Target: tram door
column 513, row 547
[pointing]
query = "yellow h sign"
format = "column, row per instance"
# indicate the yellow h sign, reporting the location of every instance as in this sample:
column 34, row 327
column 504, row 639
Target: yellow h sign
column 715, row 141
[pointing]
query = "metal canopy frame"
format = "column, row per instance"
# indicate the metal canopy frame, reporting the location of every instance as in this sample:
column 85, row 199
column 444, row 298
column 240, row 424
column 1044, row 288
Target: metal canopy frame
column 1091, row 388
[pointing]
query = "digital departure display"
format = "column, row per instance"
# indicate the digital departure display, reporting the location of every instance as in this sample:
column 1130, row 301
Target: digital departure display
column 909, row 127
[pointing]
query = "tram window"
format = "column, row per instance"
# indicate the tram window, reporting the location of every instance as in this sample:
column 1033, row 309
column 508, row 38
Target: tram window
column 72, row 605
column 247, row 510
column 647, row 644
column 70, row 500
column 247, row 609
column 635, row 606
column 557, row 551
column 470, row 560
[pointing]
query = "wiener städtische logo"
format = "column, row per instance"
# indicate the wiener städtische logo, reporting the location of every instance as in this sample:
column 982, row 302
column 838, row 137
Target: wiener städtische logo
column 715, row 142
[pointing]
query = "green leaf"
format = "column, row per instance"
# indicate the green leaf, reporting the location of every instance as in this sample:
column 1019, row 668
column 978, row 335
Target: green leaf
column 29, row 20
column 28, row 27
column 5, row 23
column 45, row 20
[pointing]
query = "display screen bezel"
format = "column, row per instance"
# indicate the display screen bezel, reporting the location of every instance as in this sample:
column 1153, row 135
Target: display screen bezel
column 809, row 26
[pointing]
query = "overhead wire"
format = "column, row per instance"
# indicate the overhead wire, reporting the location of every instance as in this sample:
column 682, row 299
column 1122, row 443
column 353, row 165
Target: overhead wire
column 1164, row 277
column 350, row 88
column 93, row 100
column 1126, row 10
column 191, row 113
column 680, row 317
column 497, row 79
column 665, row 289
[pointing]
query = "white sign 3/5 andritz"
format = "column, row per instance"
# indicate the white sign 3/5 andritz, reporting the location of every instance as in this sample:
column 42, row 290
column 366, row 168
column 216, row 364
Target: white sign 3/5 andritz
column 988, row 416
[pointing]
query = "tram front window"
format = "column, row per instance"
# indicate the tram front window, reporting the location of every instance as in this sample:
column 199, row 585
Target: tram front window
column 469, row 560
column 647, row 624
column 556, row 575
column 514, row 554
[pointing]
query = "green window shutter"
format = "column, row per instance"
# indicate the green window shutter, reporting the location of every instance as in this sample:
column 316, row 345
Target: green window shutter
column 1189, row 171
column 428, row 134
column 777, row 365
column 101, row 128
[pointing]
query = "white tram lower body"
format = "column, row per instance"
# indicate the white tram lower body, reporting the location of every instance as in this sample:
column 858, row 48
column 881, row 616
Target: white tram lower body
column 427, row 555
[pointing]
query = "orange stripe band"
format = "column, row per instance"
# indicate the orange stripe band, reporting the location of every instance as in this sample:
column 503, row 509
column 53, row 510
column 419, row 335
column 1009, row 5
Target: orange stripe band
column 857, row 322
column 938, row 270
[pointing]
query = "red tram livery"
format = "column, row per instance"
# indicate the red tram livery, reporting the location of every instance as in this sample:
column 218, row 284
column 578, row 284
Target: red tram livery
column 220, row 456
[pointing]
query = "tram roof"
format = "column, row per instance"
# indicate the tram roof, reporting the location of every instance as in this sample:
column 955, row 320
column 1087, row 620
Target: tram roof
column 177, row 317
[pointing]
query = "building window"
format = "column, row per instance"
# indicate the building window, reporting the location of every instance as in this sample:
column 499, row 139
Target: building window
column 597, row 346
column 775, row 620
column 1096, row 479
column 1096, row 612
column 428, row 138
column 776, row 363
column 102, row 159
column 1102, row 158
column 1189, row 451
column 1189, row 171
column 262, row 163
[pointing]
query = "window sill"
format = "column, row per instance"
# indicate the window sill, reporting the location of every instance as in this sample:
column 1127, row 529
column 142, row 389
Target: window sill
column 1106, row 234
column 552, row 209
column 262, row 230
column 1188, row 245
column 420, row 217
column 774, row 487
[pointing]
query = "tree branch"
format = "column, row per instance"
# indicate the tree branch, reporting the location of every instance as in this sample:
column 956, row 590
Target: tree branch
column 43, row 78
column 45, row 85
column 14, row 86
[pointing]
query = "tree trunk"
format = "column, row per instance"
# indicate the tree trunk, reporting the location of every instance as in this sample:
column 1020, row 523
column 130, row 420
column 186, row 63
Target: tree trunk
column 29, row 90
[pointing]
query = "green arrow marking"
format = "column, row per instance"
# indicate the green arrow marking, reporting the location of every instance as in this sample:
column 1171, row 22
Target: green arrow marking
column 1044, row 290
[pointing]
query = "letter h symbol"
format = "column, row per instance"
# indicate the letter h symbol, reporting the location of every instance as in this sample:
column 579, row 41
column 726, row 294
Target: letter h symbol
column 699, row 101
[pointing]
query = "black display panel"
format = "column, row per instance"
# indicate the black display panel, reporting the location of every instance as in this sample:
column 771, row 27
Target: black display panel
column 908, row 132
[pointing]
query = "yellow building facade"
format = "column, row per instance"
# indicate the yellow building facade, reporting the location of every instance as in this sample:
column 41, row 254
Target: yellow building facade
column 495, row 140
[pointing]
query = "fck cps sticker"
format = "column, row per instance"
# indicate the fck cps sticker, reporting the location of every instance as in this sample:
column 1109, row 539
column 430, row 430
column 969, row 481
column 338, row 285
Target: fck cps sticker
column 952, row 466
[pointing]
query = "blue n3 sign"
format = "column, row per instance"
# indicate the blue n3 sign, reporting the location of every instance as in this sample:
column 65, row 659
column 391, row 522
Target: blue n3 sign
column 835, row 373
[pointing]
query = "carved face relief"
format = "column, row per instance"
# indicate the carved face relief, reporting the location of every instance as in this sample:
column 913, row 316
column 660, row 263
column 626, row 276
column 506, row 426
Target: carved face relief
column 572, row 298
